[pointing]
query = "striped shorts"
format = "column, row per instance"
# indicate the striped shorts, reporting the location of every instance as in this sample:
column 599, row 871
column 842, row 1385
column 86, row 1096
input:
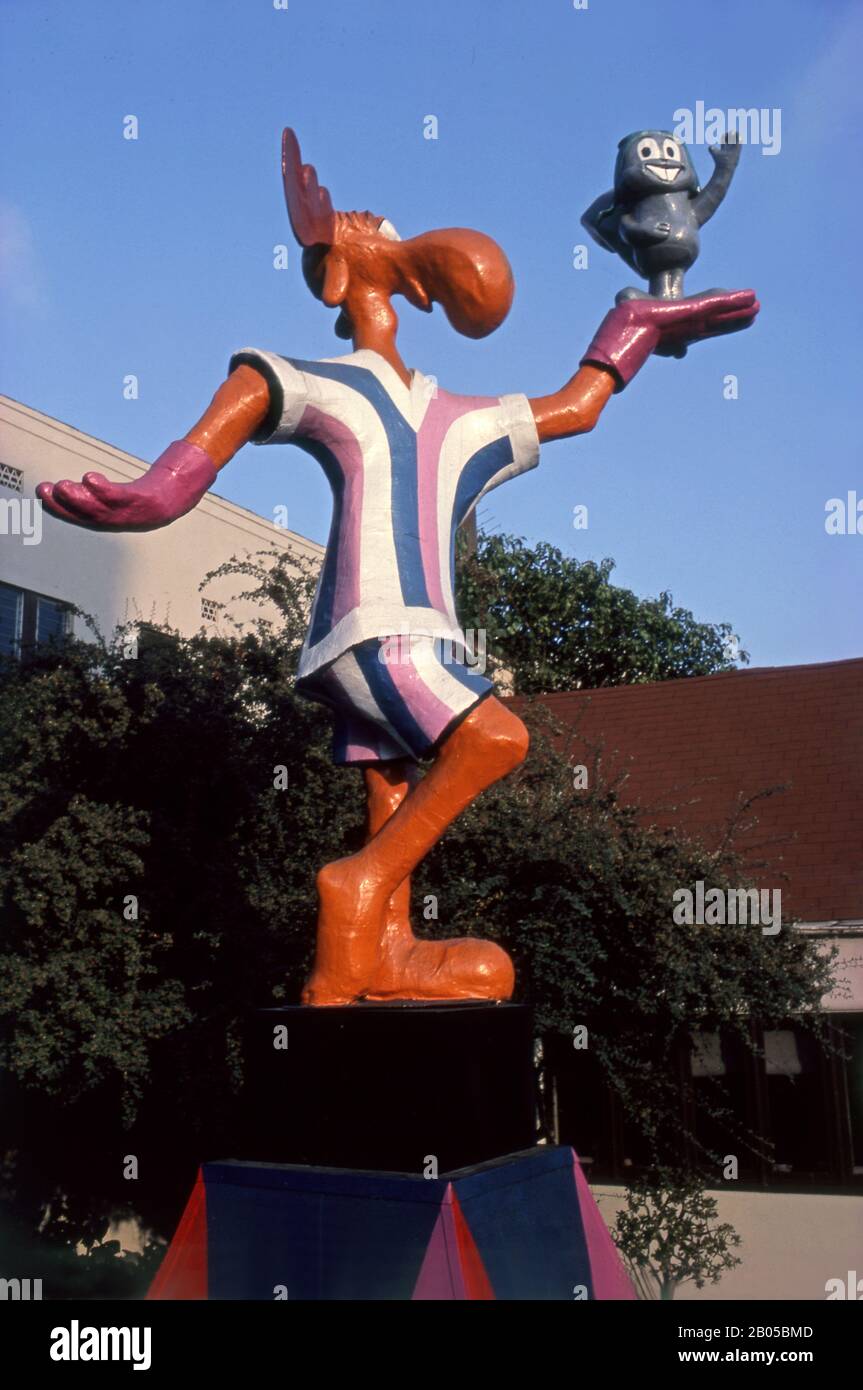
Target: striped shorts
column 394, row 697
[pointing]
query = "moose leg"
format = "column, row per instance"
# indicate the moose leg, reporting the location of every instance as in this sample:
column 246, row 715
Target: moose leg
column 355, row 956
column 387, row 785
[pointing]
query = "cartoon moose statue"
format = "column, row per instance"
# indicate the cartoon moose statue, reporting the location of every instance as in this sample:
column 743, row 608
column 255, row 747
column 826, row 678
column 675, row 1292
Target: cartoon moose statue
column 406, row 463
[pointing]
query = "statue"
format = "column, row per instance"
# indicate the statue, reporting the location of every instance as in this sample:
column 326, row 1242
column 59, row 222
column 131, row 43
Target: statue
column 652, row 216
column 407, row 462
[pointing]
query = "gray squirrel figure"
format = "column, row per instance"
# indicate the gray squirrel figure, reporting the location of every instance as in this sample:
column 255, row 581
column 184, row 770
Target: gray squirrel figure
column 652, row 216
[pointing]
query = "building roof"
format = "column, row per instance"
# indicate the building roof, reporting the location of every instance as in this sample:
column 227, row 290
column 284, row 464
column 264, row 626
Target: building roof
column 693, row 749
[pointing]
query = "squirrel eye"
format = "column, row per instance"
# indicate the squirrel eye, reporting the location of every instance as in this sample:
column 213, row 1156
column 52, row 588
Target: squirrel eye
column 649, row 149
column 670, row 150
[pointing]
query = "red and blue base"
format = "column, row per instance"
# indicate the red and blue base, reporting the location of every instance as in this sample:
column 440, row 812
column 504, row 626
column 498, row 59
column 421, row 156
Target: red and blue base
column 521, row 1227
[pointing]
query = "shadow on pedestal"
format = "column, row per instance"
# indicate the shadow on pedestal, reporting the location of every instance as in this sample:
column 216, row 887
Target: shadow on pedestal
column 388, row 1087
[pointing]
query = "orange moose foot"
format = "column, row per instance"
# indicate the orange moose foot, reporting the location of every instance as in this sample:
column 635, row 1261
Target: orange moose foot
column 427, row 971
column 442, row 970
column 366, row 950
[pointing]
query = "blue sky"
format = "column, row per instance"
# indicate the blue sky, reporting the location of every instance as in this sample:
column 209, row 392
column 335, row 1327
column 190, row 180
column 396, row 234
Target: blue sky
column 154, row 257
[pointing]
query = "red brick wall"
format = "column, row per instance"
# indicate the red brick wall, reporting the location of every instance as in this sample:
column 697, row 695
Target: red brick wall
column 704, row 742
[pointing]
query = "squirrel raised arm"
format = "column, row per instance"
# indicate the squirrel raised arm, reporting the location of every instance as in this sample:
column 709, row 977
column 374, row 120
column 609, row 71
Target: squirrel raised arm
column 726, row 157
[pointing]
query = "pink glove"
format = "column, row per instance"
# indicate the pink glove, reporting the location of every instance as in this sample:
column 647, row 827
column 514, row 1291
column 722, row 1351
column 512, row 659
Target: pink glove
column 635, row 328
column 174, row 484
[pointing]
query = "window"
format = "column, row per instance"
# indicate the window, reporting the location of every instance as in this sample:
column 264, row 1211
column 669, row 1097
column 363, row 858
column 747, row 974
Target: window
column 721, row 1069
column 852, row 1038
column 210, row 609
column 804, row 1100
column 11, row 477
column 52, row 620
column 796, row 1098
column 27, row 618
column 11, row 606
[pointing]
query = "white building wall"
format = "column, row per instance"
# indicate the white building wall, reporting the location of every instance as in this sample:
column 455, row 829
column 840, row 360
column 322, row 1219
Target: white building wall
column 152, row 577
column 792, row 1242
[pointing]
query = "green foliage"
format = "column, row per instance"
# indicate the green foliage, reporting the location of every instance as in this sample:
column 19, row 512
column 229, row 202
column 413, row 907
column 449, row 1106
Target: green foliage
column 557, row 623
column 669, row 1235
column 154, row 777
column 151, row 778
column 77, row 977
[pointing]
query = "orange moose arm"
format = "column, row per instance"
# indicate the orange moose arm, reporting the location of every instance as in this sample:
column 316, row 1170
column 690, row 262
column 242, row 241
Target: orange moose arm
column 576, row 407
column 236, row 411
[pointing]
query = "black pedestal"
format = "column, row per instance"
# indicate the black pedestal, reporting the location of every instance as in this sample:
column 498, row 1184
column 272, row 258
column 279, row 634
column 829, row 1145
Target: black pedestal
column 388, row 1086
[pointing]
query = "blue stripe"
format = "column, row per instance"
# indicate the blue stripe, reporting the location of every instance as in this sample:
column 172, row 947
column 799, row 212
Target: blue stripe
column 389, row 700
column 479, row 470
column 322, row 616
column 340, row 741
column 402, row 441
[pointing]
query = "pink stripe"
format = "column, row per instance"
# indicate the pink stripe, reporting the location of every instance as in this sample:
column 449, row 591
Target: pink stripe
column 356, row 752
column 610, row 1280
column 431, row 714
column 443, row 409
column 440, row 1277
column 343, row 443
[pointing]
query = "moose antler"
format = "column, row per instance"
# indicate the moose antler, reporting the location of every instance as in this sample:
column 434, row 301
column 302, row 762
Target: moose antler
column 310, row 207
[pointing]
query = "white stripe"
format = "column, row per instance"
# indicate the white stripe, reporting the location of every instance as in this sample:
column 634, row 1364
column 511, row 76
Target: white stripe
column 464, row 437
column 294, row 392
column 379, row 572
column 383, row 618
column 411, row 401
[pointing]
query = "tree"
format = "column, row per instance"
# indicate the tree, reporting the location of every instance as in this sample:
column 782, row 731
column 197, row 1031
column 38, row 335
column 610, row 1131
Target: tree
column 155, row 884
column 669, row 1235
column 557, row 623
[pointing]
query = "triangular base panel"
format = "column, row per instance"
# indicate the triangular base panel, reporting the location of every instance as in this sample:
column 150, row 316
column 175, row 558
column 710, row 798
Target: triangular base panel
column 521, row 1227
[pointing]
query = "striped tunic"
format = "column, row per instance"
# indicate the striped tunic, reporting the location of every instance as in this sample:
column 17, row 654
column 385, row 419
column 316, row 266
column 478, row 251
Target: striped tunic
column 406, row 464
